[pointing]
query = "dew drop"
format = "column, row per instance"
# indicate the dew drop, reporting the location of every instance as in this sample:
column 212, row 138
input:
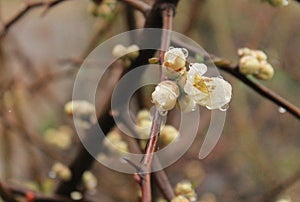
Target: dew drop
column 185, row 52
column 224, row 108
column 163, row 113
column 281, row 110
column 220, row 77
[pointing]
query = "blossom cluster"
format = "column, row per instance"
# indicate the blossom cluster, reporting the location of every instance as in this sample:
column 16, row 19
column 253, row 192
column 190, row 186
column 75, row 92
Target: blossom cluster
column 254, row 62
column 188, row 87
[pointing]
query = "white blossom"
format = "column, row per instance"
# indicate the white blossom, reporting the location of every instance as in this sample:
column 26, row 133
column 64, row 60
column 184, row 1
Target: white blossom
column 211, row 92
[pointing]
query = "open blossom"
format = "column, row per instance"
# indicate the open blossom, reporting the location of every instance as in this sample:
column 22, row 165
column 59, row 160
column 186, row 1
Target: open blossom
column 211, row 92
column 165, row 95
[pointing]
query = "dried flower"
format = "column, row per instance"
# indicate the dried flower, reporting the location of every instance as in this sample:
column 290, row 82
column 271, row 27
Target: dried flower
column 212, row 92
column 165, row 95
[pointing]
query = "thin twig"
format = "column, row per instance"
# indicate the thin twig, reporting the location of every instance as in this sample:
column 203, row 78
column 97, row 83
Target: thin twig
column 167, row 19
column 24, row 10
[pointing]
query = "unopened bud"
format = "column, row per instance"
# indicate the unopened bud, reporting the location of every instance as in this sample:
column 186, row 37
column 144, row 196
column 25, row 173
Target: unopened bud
column 266, row 72
column 165, row 95
column 168, row 134
column 133, row 51
column 61, row 171
column 119, row 51
column 248, row 65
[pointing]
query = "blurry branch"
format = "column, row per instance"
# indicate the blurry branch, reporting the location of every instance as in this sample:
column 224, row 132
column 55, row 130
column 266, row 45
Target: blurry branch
column 167, row 20
column 272, row 194
column 195, row 7
column 233, row 69
column 24, row 10
column 6, row 194
column 139, row 5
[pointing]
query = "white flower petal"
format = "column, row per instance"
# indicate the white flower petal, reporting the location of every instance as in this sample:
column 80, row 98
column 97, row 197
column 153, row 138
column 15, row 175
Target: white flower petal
column 219, row 93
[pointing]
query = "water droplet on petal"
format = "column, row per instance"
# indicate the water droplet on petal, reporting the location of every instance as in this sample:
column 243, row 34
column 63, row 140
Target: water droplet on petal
column 163, row 113
column 224, row 108
column 185, row 52
column 220, row 77
column 281, row 110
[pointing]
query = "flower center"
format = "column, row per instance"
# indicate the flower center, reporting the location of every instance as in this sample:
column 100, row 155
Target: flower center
column 199, row 83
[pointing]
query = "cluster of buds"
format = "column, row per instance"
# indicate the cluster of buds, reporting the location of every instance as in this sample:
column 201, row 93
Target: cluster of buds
column 61, row 171
column 185, row 189
column 61, row 137
column 114, row 144
column 180, row 198
column 254, row 62
column 102, row 8
column 168, row 133
column 278, row 3
column 82, row 111
column 126, row 54
column 188, row 87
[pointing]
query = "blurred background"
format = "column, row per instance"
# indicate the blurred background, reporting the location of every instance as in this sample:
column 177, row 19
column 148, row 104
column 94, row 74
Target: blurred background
column 41, row 53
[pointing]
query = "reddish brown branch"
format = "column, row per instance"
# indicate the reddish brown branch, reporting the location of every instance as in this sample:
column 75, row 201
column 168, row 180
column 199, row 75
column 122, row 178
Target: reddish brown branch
column 167, row 19
column 24, row 10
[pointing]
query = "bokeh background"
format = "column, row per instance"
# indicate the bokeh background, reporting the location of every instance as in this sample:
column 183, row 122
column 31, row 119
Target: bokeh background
column 260, row 144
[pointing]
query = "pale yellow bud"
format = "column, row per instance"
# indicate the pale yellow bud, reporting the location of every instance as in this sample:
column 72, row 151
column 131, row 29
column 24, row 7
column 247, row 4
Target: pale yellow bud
column 119, row 51
column 165, row 95
column 260, row 55
column 143, row 128
column 248, row 65
column 61, row 171
column 185, row 188
column 244, row 51
column 142, row 115
column 180, row 199
column 89, row 180
column 168, row 134
column 133, row 51
column 266, row 72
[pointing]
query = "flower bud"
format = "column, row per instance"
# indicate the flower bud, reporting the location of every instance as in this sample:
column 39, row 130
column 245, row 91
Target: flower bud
column 265, row 72
column 260, row 55
column 61, row 171
column 174, row 59
column 89, row 180
column 133, row 51
column 185, row 188
column 143, row 115
column 119, row 51
column 248, row 65
column 143, row 128
column 278, row 3
column 165, row 95
column 168, row 134
column 244, row 51
column 180, row 199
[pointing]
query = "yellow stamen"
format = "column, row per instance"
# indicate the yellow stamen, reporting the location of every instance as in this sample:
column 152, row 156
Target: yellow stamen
column 199, row 83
